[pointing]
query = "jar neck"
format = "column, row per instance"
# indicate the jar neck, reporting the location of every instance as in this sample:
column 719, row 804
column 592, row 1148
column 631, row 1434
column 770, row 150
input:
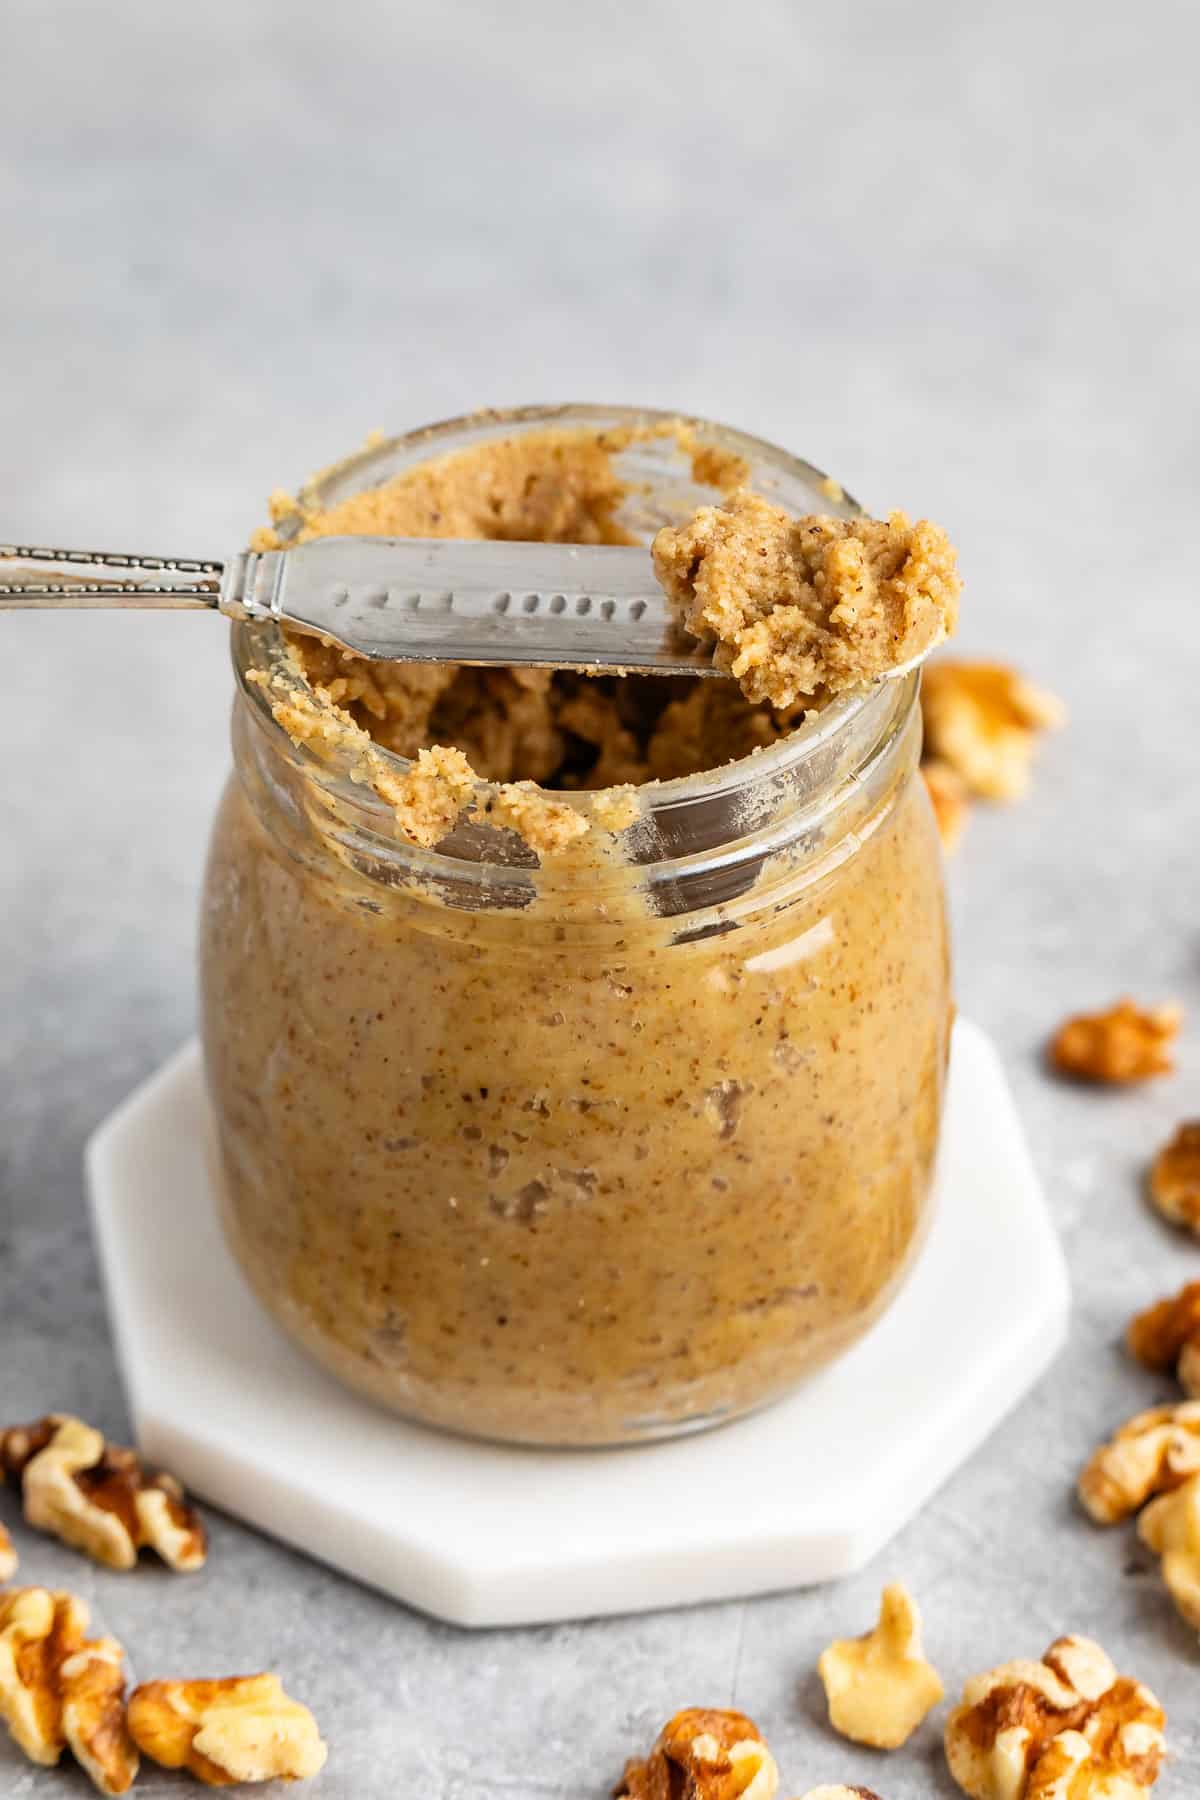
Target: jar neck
column 706, row 852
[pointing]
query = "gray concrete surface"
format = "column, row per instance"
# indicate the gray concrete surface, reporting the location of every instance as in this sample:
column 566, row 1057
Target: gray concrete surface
column 945, row 251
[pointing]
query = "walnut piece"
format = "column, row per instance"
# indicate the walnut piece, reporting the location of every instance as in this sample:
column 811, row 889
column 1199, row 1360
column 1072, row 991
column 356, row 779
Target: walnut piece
column 1170, row 1526
column 838, row 1792
column 1156, row 1458
column 1066, row 1728
column 60, row 1690
column 701, row 1754
column 1152, row 1453
column 1166, row 1337
column 1175, row 1178
column 983, row 719
column 8, row 1556
column 949, row 798
column 97, row 1497
column 1125, row 1044
column 243, row 1728
column 880, row 1687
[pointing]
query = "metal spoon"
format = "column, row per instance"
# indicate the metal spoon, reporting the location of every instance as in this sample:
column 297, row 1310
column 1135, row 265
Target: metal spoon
column 444, row 600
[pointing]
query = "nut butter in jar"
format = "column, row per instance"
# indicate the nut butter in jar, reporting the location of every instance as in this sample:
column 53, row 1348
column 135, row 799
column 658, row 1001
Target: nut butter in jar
column 589, row 1148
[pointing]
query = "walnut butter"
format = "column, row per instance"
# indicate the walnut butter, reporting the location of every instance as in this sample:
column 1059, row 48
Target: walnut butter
column 577, row 1045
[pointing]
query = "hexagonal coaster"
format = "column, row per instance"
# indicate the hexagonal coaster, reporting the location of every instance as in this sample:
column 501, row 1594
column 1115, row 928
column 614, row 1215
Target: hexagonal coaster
column 484, row 1535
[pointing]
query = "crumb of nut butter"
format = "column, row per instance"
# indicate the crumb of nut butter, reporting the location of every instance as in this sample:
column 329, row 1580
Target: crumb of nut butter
column 712, row 464
column 615, row 809
column 429, row 797
column 802, row 609
column 547, row 825
column 308, row 715
column 426, row 799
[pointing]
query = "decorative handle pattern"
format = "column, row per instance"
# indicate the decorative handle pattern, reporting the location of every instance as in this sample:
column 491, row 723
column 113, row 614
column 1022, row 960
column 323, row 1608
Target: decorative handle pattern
column 34, row 575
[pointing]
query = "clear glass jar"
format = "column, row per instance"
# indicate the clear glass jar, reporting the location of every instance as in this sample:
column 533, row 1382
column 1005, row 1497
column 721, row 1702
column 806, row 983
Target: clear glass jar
column 580, row 1155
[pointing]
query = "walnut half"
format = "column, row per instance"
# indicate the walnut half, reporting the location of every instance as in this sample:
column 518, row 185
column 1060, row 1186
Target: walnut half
column 702, row 1754
column 982, row 720
column 1175, row 1178
column 1152, row 1453
column 1170, row 1526
column 8, row 1556
column 59, row 1690
column 1127, row 1043
column 880, row 1687
column 1166, row 1337
column 1066, row 1728
column 243, row 1728
column 97, row 1497
column 1155, row 1457
column 838, row 1792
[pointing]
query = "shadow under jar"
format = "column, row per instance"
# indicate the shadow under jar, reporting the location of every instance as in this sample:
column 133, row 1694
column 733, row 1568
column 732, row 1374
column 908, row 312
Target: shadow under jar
column 599, row 1150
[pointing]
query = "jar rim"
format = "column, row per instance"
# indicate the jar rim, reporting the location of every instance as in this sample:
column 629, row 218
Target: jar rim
column 745, row 786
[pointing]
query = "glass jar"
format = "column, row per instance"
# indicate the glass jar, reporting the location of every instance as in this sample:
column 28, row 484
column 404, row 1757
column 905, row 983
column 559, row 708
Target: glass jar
column 580, row 1153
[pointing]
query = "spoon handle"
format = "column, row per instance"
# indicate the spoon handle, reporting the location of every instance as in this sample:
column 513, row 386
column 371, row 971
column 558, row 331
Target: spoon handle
column 31, row 575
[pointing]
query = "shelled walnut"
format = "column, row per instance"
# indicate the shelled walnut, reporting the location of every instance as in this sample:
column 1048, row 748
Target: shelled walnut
column 8, row 1556
column 59, row 1690
column 1170, row 1526
column 838, row 1792
column 1152, row 1453
column 982, row 720
column 702, row 1754
column 1127, row 1043
column 1066, row 1728
column 880, row 1687
column 241, row 1729
column 1175, row 1178
column 1166, row 1337
column 97, row 1497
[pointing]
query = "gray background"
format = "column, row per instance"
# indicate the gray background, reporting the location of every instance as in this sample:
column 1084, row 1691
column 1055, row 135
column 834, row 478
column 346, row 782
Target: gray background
column 946, row 251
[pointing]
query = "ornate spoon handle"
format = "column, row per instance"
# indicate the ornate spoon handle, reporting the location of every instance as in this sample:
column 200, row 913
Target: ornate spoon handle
column 31, row 575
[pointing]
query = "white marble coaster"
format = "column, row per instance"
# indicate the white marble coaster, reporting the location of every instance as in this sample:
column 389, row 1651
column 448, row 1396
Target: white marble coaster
column 481, row 1535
